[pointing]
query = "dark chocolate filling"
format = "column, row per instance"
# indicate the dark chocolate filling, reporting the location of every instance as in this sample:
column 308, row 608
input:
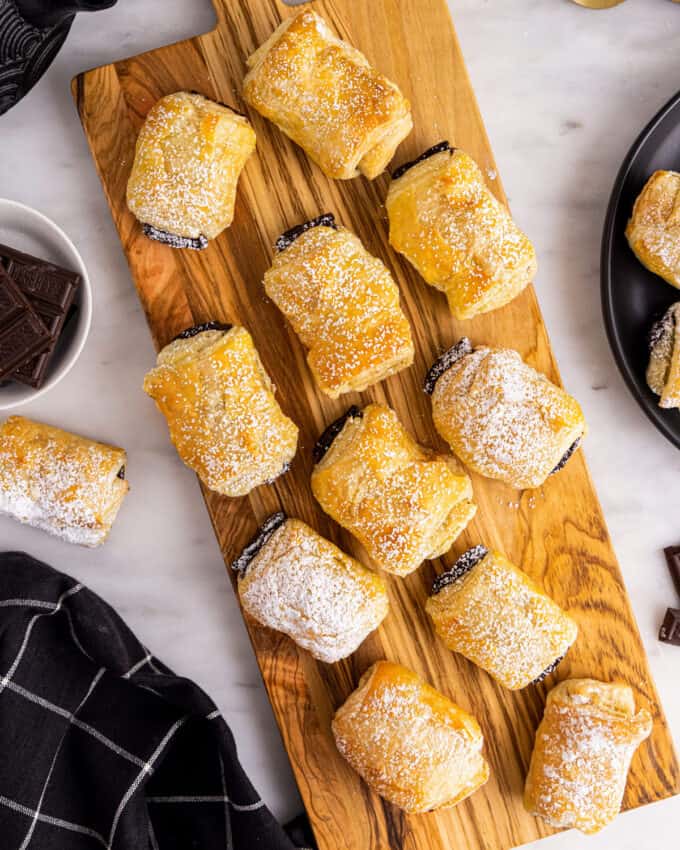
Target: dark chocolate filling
column 440, row 147
column 548, row 670
column 173, row 240
column 565, row 457
column 267, row 529
column 325, row 441
column 199, row 329
column 286, row 239
column 462, row 567
column 121, row 473
column 444, row 362
column 664, row 325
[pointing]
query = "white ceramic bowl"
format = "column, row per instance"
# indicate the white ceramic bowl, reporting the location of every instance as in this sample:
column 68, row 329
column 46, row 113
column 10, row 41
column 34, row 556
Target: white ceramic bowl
column 28, row 230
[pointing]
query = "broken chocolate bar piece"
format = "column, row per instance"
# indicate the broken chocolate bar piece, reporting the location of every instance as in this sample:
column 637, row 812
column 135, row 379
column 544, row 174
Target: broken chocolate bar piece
column 51, row 291
column 670, row 628
column 440, row 147
column 286, row 239
column 265, row 532
column 325, row 441
column 462, row 567
column 22, row 332
column 672, row 554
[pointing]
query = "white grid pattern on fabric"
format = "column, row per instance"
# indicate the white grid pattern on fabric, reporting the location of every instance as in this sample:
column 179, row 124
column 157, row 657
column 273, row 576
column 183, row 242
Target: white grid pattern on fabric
column 216, row 798
column 51, row 821
column 27, row 603
column 31, row 829
column 138, row 666
column 148, row 768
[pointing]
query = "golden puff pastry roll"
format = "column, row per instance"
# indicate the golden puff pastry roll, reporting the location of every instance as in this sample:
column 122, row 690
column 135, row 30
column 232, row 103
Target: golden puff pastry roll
column 189, row 155
column 408, row 742
column 343, row 303
column 457, row 235
column 584, row 745
column 663, row 371
column 404, row 503
column 502, row 418
column 653, row 231
column 219, row 403
column 325, row 96
column 59, row 482
column 295, row 581
column 498, row 618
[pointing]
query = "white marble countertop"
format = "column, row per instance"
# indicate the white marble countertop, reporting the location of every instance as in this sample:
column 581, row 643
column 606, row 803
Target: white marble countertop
column 564, row 91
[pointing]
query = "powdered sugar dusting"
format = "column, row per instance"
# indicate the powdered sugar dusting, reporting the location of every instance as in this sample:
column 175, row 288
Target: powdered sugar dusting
column 303, row 585
column 654, row 228
column 59, row 482
column 503, row 418
column 344, row 305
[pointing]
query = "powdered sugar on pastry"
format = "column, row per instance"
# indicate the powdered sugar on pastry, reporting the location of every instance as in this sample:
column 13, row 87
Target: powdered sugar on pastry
column 59, row 482
column 653, row 231
column 302, row 585
column 505, row 419
column 221, row 411
column 344, row 305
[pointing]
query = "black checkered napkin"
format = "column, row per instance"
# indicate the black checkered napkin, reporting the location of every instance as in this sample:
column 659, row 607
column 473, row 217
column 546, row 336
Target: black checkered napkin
column 101, row 746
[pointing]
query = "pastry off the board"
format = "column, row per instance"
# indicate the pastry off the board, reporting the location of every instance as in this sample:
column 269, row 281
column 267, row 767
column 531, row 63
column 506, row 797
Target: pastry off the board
column 663, row 371
column 59, row 482
column 343, row 303
column 324, row 94
column 403, row 502
column 653, row 231
column 458, row 236
column 295, row 581
column 219, row 403
column 408, row 742
column 188, row 158
column 584, row 745
column 502, row 418
column 498, row 618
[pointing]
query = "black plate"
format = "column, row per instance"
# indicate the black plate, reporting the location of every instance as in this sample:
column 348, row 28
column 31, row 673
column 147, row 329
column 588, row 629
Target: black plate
column 632, row 297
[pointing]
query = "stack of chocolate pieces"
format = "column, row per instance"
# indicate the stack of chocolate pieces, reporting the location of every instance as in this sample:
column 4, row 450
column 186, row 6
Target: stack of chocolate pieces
column 670, row 628
column 36, row 302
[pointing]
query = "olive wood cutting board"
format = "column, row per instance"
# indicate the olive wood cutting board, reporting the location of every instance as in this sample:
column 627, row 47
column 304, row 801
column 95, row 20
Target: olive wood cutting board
column 557, row 533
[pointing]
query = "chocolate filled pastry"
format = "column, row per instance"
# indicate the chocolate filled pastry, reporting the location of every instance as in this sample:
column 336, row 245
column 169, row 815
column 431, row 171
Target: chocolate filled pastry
column 323, row 94
column 295, row 581
column 663, row 371
column 502, row 418
column 653, row 231
column 498, row 618
column 343, row 304
column 59, row 482
column 584, row 745
column 403, row 502
column 408, row 742
column 219, row 403
column 189, row 155
column 457, row 235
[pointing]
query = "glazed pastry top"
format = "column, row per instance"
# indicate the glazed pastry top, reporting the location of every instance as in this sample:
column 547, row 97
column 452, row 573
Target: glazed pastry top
column 344, row 305
column 189, row 155
column 653, row 231
column 221, row 411
column 324, row 94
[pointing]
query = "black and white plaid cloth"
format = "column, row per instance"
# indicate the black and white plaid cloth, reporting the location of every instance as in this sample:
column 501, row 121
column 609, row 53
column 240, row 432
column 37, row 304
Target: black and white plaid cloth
column 101, row 746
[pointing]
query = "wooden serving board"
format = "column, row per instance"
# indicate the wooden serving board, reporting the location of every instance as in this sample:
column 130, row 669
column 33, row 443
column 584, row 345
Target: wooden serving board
column 557, row 533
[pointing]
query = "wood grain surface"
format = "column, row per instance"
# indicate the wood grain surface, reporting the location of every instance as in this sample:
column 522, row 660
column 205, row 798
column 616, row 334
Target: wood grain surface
column 557, row 533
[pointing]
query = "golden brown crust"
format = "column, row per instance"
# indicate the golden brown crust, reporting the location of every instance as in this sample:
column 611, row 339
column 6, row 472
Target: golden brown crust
column 344, row 305
column 501, row 620
column 188, row 158
column 504, row 419
column 449, row 225
column 663, row 371
column 301, row 584
column 582, row 754
column 323, row 94
column 60, row 482
column 403, row 502
column 410, row 743
column 653, row 231
column 220, row 407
